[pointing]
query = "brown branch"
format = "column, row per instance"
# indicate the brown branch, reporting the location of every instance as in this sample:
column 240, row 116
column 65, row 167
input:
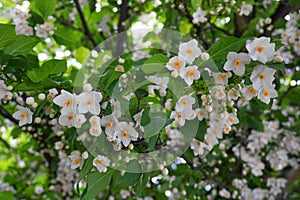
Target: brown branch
column 124, row 8
column 84, row 24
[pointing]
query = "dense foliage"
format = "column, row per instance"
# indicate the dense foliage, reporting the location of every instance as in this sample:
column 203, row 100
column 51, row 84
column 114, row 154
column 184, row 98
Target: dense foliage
column 149, row 99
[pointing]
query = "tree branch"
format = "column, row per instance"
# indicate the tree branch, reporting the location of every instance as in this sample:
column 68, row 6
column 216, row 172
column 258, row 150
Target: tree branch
column 84, row 24
column 121, row 27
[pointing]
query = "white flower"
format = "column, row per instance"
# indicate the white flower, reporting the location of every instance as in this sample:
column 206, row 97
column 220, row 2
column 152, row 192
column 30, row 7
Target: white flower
column 95, row 120
column 176, row 63
column 219, row 92
column 221, row 78
column 262, row 76
column 137, row 118
column 232, row 119
column 24, row 115
column 189, row 74
column 58, row 145
column 201, row 113
column 199, row 16
column 3, row 89
column 95, row 130
column 41, row 32
column 47, row 26
column 38, row 189
column 67, row 101
column 117, row 108
column 211, row 140
column 249, row 92
column 89, row 102
column 179, row 117
column 161, row 84
column 126, row 133
column 119, row 68
column 198, row 147
column 246, row 9
column 266, row 93
column 53, row 92
column 261, row 49
column 110, row 123
column 189, row 51
column 71, row 119
column 257, row 169
column 106, row 58
column 101, row 162
column 76, row 161
column 236, row 62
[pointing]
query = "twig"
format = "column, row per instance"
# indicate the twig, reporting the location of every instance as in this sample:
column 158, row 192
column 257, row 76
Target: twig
column 84, row 24
column 121, row 27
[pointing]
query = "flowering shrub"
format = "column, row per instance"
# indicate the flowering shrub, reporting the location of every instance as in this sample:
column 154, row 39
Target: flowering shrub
column 149, row 99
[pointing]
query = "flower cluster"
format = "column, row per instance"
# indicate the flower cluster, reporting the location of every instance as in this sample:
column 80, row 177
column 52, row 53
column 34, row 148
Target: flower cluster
column 23, row 28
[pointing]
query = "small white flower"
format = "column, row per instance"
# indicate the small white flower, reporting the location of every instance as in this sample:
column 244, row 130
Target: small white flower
column 53, row 92
column 137, row 118
column 119, row 68
column 58, row 145
column 41, row 32
column 236, row 62
column 262, row 76
column 110, row 122
column 38, row 189
column 205, row 56
column 221, row 78
column 246, row 9
column 76, row 161
column 266, row 93
column 89, row 102
column 261, row 49
column 67, row 101
column 106, row 58
column 211, row 140
column 198, row 147
column 189, row 74
column 94, row 120
column 117, row 111
column 95, row 130
column 41, row 96
column 71, row 119
column 126, row 133
column 232, row 119
column 199, row 16
column 3, row 89
column 24, row 115
column 101, row 162
column 189, row 51
column 249, row 92
column 176, row 63
column 201, row 113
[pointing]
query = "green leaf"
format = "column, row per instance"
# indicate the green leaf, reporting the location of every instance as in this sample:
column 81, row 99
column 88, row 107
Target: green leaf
column 67, row 37
column 129, row 179
column 96, row 182
column 88, row 165
column 50, row 67
column 223, row 46
column 7, row 195
column 277, row 66
column 21, row 46
column 45, row 7
column 81, row 54
column 16, row 132
column 155, row 64
column 7, row 34
column 145, row 117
